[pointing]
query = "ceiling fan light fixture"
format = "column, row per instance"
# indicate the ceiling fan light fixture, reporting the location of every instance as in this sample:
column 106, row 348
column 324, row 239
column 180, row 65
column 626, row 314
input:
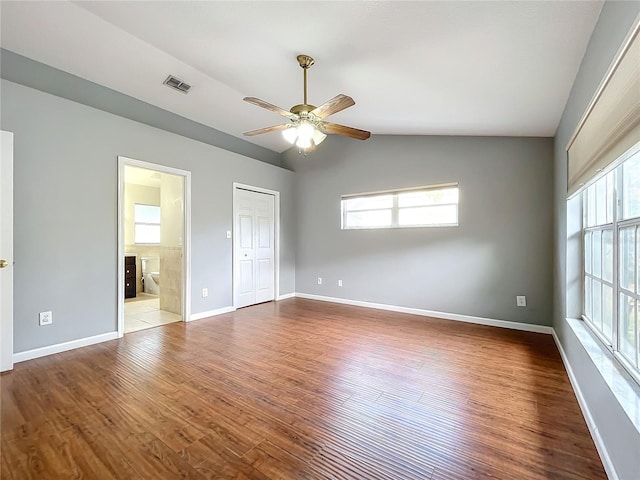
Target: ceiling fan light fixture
column 318, row 136
column 290, row 134
column 303, row 135
column 304, row 143
column 305, row 132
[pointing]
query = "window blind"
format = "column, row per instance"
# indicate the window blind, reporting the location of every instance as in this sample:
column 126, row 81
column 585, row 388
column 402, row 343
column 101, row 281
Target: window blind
column 611, row 124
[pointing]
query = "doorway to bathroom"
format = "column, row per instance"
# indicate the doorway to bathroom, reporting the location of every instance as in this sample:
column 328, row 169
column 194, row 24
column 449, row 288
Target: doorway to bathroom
column 153, row 245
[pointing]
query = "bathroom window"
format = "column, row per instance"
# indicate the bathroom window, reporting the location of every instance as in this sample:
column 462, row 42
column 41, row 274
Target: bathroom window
column 147, row 224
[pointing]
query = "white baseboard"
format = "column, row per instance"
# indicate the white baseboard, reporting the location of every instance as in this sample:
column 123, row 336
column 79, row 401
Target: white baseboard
column 63, row 347
column 285, row 296
column 431, row 313
column 586, row 413
column 211, row 313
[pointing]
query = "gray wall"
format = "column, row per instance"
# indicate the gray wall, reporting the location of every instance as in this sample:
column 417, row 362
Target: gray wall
column 621, row 438
column 502, row 247
column 65, row 195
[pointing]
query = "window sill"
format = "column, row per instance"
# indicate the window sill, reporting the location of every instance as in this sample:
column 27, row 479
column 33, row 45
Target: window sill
column 621, row 384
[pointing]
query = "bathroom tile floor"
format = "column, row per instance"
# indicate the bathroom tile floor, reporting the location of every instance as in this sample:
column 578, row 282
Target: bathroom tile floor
column 145, row 313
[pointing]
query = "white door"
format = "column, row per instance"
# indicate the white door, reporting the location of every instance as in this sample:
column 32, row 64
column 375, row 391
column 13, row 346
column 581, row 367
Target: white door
column 6, row 251
column 254, row 248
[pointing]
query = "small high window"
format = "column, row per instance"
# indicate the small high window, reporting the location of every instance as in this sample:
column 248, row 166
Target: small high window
column 147, row 224
column 432, row 206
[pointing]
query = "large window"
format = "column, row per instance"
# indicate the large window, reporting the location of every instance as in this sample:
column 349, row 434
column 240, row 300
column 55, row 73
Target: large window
column 611, row 221
column 417, row 207
column 147, row 223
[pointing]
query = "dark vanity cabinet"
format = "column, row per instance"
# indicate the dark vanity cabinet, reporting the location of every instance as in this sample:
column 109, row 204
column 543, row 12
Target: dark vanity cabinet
column 129, row 276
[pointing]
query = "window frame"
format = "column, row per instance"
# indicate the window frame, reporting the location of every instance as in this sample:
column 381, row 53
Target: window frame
column 395, row 207
column 615, row 226
column 136, row 223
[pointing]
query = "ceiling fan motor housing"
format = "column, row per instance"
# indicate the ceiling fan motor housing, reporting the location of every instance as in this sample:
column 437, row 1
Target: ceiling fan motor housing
column 302, row 109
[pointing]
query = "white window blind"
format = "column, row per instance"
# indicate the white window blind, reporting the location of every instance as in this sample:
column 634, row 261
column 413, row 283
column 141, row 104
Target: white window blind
column 611, row 124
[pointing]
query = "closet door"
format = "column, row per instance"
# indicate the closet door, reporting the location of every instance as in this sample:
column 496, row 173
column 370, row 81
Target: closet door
column 254, row 247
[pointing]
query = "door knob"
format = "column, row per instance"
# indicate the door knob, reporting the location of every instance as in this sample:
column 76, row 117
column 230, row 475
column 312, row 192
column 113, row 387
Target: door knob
column 3, row 263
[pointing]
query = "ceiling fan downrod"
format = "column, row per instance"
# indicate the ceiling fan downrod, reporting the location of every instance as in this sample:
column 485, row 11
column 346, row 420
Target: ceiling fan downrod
column 305, row 62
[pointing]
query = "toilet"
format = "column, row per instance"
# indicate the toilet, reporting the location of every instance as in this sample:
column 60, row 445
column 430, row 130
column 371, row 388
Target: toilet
column 151, row 275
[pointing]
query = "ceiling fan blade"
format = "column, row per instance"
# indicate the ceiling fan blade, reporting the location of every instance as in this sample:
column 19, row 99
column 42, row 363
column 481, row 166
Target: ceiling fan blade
column 275, row 128
column 269, row 106
column 346, row 131
column 335, row 105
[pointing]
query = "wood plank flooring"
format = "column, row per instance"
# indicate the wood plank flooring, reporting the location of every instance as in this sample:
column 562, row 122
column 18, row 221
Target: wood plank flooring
column 299, row 389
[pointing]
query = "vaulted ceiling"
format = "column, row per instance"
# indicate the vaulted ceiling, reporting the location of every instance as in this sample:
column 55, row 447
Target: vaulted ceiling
column 413, row 68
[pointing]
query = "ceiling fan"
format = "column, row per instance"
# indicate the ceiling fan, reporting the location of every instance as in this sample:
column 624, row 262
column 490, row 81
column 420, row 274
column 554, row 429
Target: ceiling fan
column 306, row 127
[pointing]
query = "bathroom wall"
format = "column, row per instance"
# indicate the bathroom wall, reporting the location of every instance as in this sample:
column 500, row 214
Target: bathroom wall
column 171, row 241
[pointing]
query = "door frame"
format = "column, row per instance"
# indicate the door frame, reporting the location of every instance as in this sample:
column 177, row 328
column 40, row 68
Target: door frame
column 6, row 242
column 186, row 244
column 276, row 238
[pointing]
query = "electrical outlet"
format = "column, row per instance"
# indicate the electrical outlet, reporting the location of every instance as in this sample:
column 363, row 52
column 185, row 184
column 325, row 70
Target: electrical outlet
column 205, row 292
column 46, row 318
column 339, row 283
column 319, row 280
column 521, row 301
column 228, row 233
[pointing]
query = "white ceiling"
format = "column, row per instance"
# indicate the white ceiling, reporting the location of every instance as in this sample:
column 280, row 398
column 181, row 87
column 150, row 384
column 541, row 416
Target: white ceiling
column 417, row 68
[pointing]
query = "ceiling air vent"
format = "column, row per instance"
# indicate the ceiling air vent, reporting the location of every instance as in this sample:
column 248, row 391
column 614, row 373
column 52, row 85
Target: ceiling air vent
column 178, row 84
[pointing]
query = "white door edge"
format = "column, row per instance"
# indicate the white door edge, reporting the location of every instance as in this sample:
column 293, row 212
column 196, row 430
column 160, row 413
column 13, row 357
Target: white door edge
column 276, row 237
column 6, row 252
column 186, row 245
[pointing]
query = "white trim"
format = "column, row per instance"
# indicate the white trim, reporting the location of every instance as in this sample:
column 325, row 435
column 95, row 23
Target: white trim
column 586, row 413
column 286, row 296
column 276, row 236
column 120, row 260
column 432, row 313
column 6, row 242
column 186, row 246
column 212, row 313
column 63, row 347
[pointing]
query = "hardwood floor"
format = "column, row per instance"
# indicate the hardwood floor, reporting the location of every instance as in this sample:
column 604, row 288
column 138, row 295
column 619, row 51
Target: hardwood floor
column 299, row 389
